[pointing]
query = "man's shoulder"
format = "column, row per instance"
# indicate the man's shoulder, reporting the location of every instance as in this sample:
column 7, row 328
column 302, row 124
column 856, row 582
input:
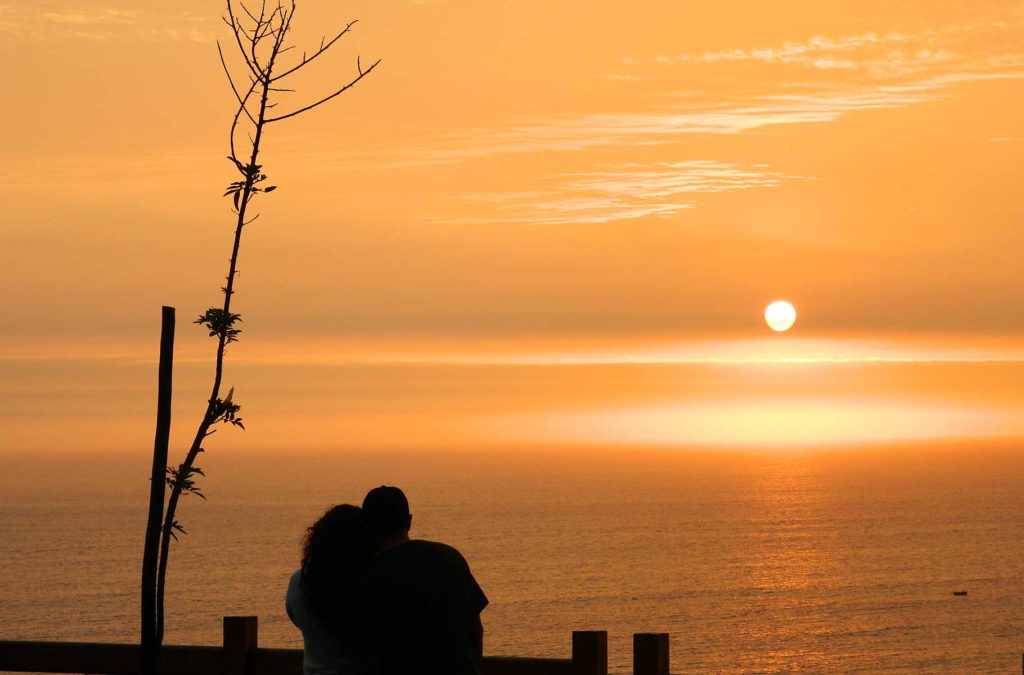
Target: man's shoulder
column 422, row 548
column 434, row 547
column 423, row 555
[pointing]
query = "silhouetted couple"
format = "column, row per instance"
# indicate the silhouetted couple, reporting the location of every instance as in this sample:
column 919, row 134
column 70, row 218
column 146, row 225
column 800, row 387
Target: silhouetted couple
column 368, row 599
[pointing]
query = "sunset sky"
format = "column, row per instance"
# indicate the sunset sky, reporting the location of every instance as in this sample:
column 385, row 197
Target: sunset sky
column 538, row 222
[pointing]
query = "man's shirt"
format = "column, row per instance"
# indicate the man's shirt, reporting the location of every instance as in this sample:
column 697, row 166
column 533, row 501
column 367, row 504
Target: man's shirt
column 423, row 605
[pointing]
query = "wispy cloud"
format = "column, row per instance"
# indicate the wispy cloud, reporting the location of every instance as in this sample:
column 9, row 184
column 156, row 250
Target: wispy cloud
column 607, row 194
column 7, row 18
column 622, row 192
column 103, row 24
column 881, row 55
column 570, row 134
column 821, row 104
column 878, row 71
column 93, row 18
column 804, row 53
column 674, row 178
column 531, row 208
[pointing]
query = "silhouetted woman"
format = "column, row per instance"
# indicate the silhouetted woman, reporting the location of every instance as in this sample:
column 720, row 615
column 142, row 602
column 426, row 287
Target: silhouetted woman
column 320, row 600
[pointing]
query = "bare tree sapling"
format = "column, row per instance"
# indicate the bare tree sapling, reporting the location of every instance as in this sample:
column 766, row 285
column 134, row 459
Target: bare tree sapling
column 260, row 39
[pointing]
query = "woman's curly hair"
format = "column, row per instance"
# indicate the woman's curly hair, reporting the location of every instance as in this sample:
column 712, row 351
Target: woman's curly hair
column 336, row 550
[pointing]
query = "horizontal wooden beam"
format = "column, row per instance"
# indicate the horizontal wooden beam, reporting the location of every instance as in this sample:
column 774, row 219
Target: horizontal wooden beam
column 516, row 665
column 276, row 662
column 122, row 659
column 106, row 659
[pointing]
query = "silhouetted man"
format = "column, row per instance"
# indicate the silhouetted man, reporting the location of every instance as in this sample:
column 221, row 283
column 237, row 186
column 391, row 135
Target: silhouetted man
column 424, row 604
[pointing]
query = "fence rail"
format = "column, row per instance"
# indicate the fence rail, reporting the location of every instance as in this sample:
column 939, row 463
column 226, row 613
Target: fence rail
column 241, row 655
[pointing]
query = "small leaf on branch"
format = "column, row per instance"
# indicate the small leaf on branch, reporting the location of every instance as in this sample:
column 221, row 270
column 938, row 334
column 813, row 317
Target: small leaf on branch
column 181, row 479
column 214, row 319
column 176, row 526
column 225, row 410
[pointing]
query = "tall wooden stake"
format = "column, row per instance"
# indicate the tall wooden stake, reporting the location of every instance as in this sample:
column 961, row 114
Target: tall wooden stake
column 150, row 640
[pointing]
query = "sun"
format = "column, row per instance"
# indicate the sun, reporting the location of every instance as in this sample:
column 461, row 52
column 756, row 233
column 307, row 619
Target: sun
column 780, row 316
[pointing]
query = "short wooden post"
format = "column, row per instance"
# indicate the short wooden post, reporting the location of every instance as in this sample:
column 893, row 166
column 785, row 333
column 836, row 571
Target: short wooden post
column 590, row 652
column 241, row 638
column 150, row 639
column 650, row 654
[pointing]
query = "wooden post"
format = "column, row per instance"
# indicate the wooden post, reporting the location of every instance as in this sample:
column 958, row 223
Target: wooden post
column 148, row 639
column 241, row 637
column 590, row 652
column 650, row 654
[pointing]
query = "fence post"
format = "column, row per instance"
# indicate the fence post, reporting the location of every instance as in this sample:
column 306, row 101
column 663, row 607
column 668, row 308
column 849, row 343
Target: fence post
column 650, row 654
column 149, row 640
column 241, row 637
column 590, row 652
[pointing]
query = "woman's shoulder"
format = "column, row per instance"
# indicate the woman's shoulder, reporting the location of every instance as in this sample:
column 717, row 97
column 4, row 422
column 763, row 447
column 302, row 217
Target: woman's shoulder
column 293, row 598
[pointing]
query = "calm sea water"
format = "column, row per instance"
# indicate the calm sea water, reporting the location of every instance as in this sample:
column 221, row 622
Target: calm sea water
column 754, row 563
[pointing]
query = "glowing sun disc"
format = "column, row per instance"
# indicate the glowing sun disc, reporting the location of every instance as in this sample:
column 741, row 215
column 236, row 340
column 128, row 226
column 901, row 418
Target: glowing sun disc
column 780, row 316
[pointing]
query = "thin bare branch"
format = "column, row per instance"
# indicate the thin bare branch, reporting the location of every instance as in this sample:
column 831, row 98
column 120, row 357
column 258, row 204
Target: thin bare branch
column 266, row 28
column 241, row 103
column 246, row 10
column 234, row 124
column 255, row 41
column 286, row 25
column 324, row 46
column 362, row 74
column 235, row 29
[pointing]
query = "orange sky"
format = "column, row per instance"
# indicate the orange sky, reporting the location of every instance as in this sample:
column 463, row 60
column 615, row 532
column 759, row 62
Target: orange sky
column 480, row 241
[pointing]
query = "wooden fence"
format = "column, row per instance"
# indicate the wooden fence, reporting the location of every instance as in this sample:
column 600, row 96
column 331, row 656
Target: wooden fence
column 241, row 655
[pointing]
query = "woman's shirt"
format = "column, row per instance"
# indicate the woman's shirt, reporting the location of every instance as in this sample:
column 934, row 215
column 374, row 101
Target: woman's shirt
column 322, row 652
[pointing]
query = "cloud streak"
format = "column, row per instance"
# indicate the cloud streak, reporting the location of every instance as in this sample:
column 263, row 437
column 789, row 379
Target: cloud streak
column 878, row 71
column 103, row 24
column 880, row 55
column 623, row 192
column 804, row 53
column 571, row 134
column 796, row 351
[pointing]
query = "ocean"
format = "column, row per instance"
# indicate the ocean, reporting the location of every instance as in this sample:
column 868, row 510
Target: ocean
column 837, row 561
